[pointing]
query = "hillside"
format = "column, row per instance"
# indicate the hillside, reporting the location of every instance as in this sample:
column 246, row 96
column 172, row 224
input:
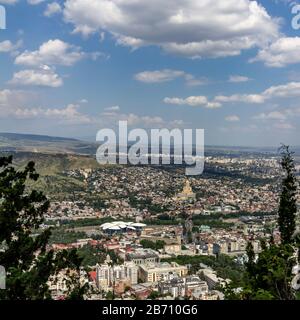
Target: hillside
column 52, row 167
column 44, row 144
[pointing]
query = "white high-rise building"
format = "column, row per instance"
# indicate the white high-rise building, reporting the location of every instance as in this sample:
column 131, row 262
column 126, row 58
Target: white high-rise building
column 108, row 275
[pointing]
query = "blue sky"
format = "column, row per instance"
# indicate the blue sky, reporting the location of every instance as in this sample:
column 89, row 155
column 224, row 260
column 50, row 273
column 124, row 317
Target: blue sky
column 72, row 67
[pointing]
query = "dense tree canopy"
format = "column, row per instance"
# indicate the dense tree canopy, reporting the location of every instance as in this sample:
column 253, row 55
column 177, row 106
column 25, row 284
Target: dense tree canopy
column 25, row 257
column 269, row 275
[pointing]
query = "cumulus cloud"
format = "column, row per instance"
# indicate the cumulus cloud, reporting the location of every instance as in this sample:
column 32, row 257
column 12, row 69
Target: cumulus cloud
column 238, row 78
column 232, row 118
column 283, row 126
column 53, row 52
column 193, row 101
column 43, row 76
column 279, row 119
column 284, row 114
column 113, row 108
column 10, row 100
column 280, row 53
column 16, row 104
column 273, row 115
column 34, row 2
column 167, row 75
column 158, row 76
column 8, row 1
column 68, row 114
column 246, row 98
column 288, row 90
column 52, row 9
column 133, row 119
column 190, row 28
column 8, row 46
column 13, row 103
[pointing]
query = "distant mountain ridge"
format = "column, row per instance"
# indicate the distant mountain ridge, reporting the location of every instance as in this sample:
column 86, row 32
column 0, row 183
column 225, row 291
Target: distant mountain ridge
column 17, row 142
column 34, row 137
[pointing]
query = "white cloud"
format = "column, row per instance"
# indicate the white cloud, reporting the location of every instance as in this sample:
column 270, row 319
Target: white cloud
column 113, row 108
column 8, row 1
column 189, row 28
column 132, row 119
column 35, row 2
column 280, row 115
column 52, row 52
column 52, row 9
column 246, row 98
column 8, row 46
column 284, row 126
column 232, row 118
column 69, row 114
column 279, row 119
column 159, row 76
column 280, row 53
column 288, row 90
column 166, row 75
column 39, row 77
column 10, row 100
column 238, row 78
column 273, row 115
column 14, row 104
column 193, row 101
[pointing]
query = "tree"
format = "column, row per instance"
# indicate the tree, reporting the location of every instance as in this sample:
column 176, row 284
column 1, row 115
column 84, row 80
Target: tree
column 269, row 276
column 157, row 245
column 154, row 295
column 27, row 262
column 288, row 206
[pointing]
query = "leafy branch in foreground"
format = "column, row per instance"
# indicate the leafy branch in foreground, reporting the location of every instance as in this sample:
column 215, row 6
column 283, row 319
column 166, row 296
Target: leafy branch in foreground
column 28, row 263
column 269, row 275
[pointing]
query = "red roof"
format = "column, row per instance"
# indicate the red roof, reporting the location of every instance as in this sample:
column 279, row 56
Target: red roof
column 93, row 242
column 93, row 275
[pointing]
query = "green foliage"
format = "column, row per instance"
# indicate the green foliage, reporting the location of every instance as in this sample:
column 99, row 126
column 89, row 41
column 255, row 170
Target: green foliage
column 25, row 258
column 91, row 255
column 60, row 235
column 146, row 204
column 269, row 276
column 225, row 266
column 110, row 296
column 154, row 295
column 114, row 257
column 162, row 222
column 287, row 206
column 159, row 244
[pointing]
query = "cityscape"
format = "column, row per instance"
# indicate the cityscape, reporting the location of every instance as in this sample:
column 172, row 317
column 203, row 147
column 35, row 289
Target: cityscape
column 149, row 152
column 151, row 232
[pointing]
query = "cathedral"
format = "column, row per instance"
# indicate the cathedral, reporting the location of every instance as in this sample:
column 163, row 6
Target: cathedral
column 187, row 193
